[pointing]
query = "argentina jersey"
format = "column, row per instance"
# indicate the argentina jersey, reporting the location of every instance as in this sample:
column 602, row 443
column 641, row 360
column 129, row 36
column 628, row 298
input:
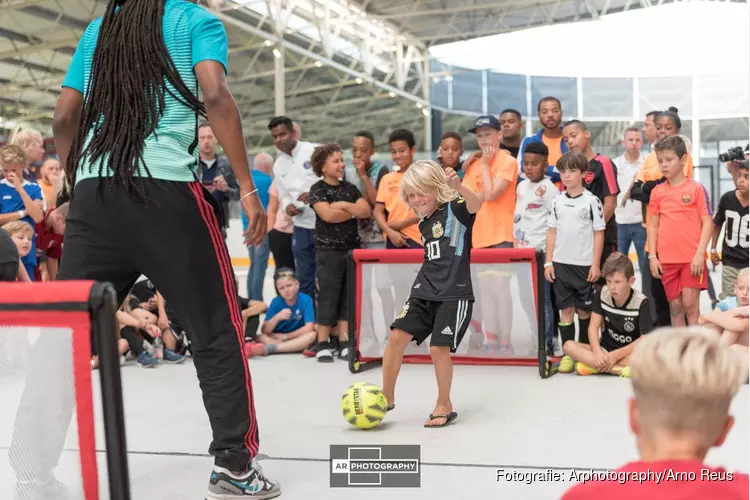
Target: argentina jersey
column 446, row 236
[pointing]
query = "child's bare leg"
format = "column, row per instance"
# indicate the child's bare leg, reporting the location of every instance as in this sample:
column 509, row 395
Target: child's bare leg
column 296, row 345
column 691, row 305
column 579, row 352
column 324, row 333
column 490, row 309
column 729, row 337
column 441, row 358
column 677, row 313
column 122, row 346
column 343, row 330
column 170, row 341
column 392, row 359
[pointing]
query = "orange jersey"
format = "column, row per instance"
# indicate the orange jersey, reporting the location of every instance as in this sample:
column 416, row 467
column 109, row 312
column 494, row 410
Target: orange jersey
column 494, row 221
column 650, row 171
column 680, row 209
column 396, row 208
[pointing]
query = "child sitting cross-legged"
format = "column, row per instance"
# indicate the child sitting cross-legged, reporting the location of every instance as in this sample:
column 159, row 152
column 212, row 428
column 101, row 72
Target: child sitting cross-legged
column 289, row 325
column 620, row 315
column 730, row 318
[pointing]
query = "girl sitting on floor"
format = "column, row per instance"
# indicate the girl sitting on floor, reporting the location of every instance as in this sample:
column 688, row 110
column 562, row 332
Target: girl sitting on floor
column 289, row 324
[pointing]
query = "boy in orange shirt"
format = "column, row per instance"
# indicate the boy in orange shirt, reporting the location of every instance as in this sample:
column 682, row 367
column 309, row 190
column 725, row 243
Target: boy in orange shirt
column 684, row 382
column 400, row 225
column 493, row 178
column 678, row 233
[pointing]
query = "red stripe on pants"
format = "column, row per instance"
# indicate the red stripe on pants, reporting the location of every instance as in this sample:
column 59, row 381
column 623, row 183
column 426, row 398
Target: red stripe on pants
column 230, row 291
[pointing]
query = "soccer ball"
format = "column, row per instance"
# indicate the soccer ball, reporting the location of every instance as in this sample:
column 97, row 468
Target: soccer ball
column 363, row 405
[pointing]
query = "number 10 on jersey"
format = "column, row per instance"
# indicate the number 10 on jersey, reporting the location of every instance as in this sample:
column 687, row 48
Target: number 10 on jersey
column 433, row 250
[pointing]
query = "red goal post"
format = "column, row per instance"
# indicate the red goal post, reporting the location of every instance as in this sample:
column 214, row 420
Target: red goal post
column 509, row 292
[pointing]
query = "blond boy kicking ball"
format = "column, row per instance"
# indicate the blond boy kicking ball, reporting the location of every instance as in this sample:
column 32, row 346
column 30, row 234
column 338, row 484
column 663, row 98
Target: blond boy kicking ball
column 684, row 380
column 620, row 316
column 441, row 297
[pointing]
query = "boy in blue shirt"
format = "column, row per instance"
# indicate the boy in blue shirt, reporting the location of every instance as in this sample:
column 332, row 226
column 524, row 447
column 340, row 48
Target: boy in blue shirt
column 289, row 325
column 20, row 199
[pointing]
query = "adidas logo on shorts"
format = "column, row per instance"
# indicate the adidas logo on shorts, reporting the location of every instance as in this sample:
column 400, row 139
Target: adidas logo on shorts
column 447, row 331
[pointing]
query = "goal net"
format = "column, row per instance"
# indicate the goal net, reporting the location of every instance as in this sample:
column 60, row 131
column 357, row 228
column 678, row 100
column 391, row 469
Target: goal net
column 507, row 324
column 48, row 444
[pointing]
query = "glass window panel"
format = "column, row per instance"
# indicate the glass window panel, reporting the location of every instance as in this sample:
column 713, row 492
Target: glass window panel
column 660, row 93
column 607, row 97
column 506, row 92
column 467, row 90
column 564, row 89
column 723, row 95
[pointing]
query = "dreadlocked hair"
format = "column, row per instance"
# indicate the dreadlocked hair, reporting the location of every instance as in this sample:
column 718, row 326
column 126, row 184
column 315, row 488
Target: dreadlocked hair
column 125, row 95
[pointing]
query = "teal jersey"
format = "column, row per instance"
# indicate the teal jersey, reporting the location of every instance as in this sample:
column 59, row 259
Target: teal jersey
column 192, row 35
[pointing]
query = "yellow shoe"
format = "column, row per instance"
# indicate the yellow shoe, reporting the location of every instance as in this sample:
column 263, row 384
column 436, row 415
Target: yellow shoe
column 583, row 369
column 625, row 372
column 567, row 365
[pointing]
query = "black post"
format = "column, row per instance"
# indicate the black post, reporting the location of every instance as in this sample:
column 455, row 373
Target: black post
column 351, row 286
column 437, row 128
column 103, row 303
column 541, row 314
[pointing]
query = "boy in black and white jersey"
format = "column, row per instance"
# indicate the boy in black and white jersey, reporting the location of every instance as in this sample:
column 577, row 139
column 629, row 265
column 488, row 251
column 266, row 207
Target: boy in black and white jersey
column 621, row 314
column 574, row 247
column 733, row 210
column 442, row 295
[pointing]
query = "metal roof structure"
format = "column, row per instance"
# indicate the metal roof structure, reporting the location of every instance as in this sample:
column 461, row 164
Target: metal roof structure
column 332, row 65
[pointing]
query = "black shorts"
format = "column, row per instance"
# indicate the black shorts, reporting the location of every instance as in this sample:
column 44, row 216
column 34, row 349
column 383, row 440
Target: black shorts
column 445, row 321
column 331, row 280
column 572, row 288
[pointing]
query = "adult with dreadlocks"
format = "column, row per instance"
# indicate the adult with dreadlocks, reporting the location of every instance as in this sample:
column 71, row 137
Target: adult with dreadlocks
column 125, row 127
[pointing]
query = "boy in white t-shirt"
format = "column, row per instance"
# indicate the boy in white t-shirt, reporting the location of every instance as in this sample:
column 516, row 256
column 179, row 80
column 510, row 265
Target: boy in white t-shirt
column 574, row 248
column 534, row 199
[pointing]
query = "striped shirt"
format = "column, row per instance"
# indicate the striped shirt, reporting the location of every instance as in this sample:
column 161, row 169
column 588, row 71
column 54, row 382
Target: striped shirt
column 192, row 35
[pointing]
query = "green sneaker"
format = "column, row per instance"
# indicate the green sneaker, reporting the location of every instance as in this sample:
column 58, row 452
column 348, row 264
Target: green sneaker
column 567, row 365
column 625, row 372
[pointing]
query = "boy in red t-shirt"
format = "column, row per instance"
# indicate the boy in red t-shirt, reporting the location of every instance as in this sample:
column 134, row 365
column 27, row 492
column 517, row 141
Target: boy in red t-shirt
column 678, row 233
column 684, row 381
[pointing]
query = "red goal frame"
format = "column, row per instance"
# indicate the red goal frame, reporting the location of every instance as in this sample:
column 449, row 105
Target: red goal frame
column 416, row 256
column 88, row 309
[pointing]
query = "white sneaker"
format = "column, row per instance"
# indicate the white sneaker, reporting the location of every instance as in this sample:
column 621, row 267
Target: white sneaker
column 224, row 485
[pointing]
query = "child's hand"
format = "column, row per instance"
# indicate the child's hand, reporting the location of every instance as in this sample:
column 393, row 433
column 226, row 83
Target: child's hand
column 472, row 157
column 594, row 273
column 153, row 330
column 655, row 266
column 715, row 257
column 698, row 264
column 15, row 180
column 397, row 238
column 451, row 177
column 601, row 359
column 549, row 274
column 284, row 314
column 488, row 154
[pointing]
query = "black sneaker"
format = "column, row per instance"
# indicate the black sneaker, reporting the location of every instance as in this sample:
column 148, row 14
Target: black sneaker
column 224, row 485
column 323, row 352
column 343, row 354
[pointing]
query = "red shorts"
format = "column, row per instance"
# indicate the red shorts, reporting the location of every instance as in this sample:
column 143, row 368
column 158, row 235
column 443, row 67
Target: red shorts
column 678, row 276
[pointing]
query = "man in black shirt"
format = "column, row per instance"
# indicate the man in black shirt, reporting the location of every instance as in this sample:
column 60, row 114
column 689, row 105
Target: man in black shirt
column 338, row 205
column 733, row 209
column 441, row 296
column 511, row 124
column 600, row 180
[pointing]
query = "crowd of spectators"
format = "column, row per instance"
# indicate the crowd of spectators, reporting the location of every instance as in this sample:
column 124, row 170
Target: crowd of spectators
column 547, row 191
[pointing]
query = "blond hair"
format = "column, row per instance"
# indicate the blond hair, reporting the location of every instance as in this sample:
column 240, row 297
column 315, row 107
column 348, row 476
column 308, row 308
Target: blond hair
column 24, row 137
column 18, row 226
column 684, row 381
column 13, row 155
column 427, row 178
column 744, row 273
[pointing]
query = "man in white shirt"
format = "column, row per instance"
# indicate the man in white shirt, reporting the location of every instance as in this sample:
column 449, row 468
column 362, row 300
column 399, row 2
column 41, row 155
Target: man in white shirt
column 629, row 213
column 294, row 176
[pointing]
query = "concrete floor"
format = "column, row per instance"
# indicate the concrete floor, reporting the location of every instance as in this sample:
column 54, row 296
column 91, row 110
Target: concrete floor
column 509, row 419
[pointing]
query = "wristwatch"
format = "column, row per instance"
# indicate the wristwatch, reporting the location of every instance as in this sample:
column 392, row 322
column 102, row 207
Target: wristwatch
column 547, row 264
